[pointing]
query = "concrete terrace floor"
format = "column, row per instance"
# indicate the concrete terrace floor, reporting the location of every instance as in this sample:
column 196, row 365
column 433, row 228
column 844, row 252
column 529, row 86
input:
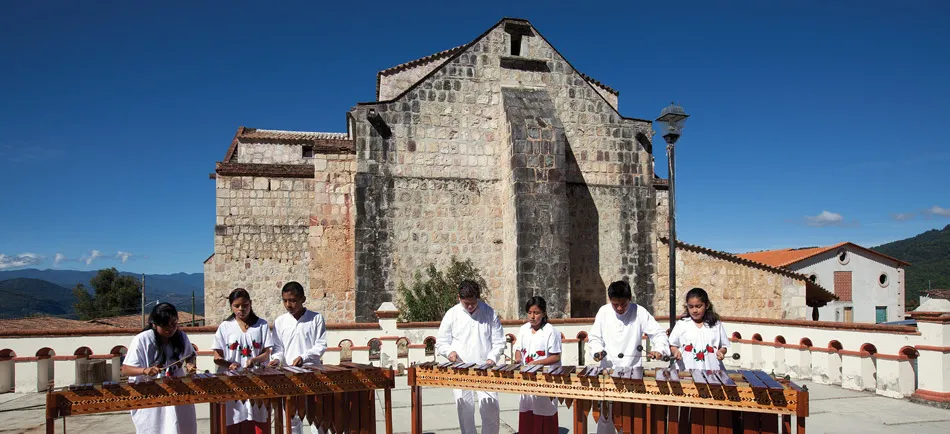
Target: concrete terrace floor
column 833, row 410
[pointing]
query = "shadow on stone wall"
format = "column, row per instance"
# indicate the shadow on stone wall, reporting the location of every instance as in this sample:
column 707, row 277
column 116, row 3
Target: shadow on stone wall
column 587, row 287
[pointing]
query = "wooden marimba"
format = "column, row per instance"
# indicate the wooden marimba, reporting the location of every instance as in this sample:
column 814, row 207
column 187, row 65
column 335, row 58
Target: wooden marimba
column 641, row 401
column 340, row 398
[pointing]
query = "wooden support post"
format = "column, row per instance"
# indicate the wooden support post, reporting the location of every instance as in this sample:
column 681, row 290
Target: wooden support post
column 388, row 396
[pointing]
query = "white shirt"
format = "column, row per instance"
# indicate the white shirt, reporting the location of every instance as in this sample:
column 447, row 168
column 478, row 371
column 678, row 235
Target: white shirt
column 305, row 338
column 621, row 334
column 699, row 344
column 237, row 347
column 143, row 353
column 536, row 346
column 475, row 337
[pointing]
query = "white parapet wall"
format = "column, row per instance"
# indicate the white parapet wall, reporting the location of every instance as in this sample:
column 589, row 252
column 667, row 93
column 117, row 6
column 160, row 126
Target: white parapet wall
column 894, row 361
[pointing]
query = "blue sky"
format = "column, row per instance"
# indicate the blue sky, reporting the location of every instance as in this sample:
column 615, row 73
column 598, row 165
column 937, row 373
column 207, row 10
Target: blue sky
column 114, row 113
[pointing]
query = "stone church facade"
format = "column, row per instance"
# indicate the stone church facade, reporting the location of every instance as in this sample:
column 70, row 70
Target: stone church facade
column 498, row 151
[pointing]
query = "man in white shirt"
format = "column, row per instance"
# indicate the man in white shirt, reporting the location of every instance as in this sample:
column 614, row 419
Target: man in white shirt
column 300, row 337
column 617, row 332
column 471, row 332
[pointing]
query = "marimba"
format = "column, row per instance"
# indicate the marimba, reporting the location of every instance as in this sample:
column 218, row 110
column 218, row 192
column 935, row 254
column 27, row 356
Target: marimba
column 641, row 401
column 340, row 398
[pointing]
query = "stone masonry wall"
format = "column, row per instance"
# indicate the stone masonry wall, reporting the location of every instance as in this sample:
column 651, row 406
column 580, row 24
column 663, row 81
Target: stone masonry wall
column 332, row 238
column 734, row 289
column 261, row 234
column 392, row 84
column 271, row 153
column 450, row 129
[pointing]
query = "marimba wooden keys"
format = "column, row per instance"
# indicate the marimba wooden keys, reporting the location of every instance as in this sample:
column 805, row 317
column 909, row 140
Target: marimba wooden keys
column 633, row 399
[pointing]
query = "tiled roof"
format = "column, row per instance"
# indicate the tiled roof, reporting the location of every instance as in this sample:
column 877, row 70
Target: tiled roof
column 423, row 60
column 135, row 321
column 786, row 257
column 280, row 135
column 45, row 323
column 938, row 293
column 591, row 80
column 813, row 291
column 325, row 142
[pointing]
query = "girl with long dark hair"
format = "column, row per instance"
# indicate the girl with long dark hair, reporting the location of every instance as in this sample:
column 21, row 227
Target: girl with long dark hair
column 161, row 349
column 538, row 343
column 699, row 340
column 242, row 341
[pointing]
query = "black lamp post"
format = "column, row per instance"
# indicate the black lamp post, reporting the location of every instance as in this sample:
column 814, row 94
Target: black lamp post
column 671, row 120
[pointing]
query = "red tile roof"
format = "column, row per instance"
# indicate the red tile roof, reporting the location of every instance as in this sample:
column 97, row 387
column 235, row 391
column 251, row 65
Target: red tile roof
column 814, row 293
column 45, row 323
column 321, row 142
column 135, row 321
column 785, row 257
column 938, row 293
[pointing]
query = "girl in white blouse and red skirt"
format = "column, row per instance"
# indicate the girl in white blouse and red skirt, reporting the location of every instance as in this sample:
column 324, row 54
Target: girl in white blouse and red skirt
column 538, row 343
column 699, row 340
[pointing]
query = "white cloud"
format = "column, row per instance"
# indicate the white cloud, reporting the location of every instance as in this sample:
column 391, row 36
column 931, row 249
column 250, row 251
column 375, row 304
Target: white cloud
column 903, row 216
column 59, row 259
column 826, row 218
column 93, row 255
column 21, row 260
column 123, row 256
column 936, row 210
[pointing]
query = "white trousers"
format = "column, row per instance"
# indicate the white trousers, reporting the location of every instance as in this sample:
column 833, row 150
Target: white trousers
column 606, row 423
column 487, row 408
column 297, row 427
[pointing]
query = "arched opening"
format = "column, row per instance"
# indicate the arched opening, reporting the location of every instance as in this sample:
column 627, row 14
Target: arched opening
column 835, row 345
column 430, row 345
column 912, row 354
column 45, row 368
column 402, row 347
column 80, row 352
column 374, row 348
column 6, row 370
column 805, row 342
column 346, row 350
column 757, row 337
column 736, row 335
column 779, row 339
column 870, row 348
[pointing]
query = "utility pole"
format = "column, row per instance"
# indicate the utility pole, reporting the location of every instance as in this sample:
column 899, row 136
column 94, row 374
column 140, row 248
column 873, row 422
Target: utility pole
column 143, row 300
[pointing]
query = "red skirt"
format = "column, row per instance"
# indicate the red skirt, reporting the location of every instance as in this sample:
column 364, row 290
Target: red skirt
column 249, row 427
column 530, row 423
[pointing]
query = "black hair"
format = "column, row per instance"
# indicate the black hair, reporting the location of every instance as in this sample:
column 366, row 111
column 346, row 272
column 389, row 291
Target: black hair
column 294, row 288
column 162, row 315
column 469, row 289
column 241, row 293
column 619, row 289
column 710, row 317
column 538, row 301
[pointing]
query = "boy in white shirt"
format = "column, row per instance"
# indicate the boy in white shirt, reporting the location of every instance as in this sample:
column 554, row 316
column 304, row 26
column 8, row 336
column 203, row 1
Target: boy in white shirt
column 471, row 332
column 617, row 332
column 300, row 338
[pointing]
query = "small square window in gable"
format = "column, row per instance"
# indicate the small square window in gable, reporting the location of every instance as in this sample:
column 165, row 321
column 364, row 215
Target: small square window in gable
column 307, row 151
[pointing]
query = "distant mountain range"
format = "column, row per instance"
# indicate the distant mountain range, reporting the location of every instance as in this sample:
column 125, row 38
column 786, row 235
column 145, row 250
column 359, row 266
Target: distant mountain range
column 31, row 291
column 929, row 257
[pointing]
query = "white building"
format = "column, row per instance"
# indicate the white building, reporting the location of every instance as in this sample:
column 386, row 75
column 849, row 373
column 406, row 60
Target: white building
column 869, row 285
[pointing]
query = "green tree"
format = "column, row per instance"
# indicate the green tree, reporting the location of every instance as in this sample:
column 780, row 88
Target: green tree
column 428, row 299
column 113, row 295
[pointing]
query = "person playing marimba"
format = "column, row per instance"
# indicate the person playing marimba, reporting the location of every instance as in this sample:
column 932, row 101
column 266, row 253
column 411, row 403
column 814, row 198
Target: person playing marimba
column 699, row 340
column 538, row 343
column 300, row 338
column 616, row 335
column 471, row 332
column 161, row 349
column 242, row 341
